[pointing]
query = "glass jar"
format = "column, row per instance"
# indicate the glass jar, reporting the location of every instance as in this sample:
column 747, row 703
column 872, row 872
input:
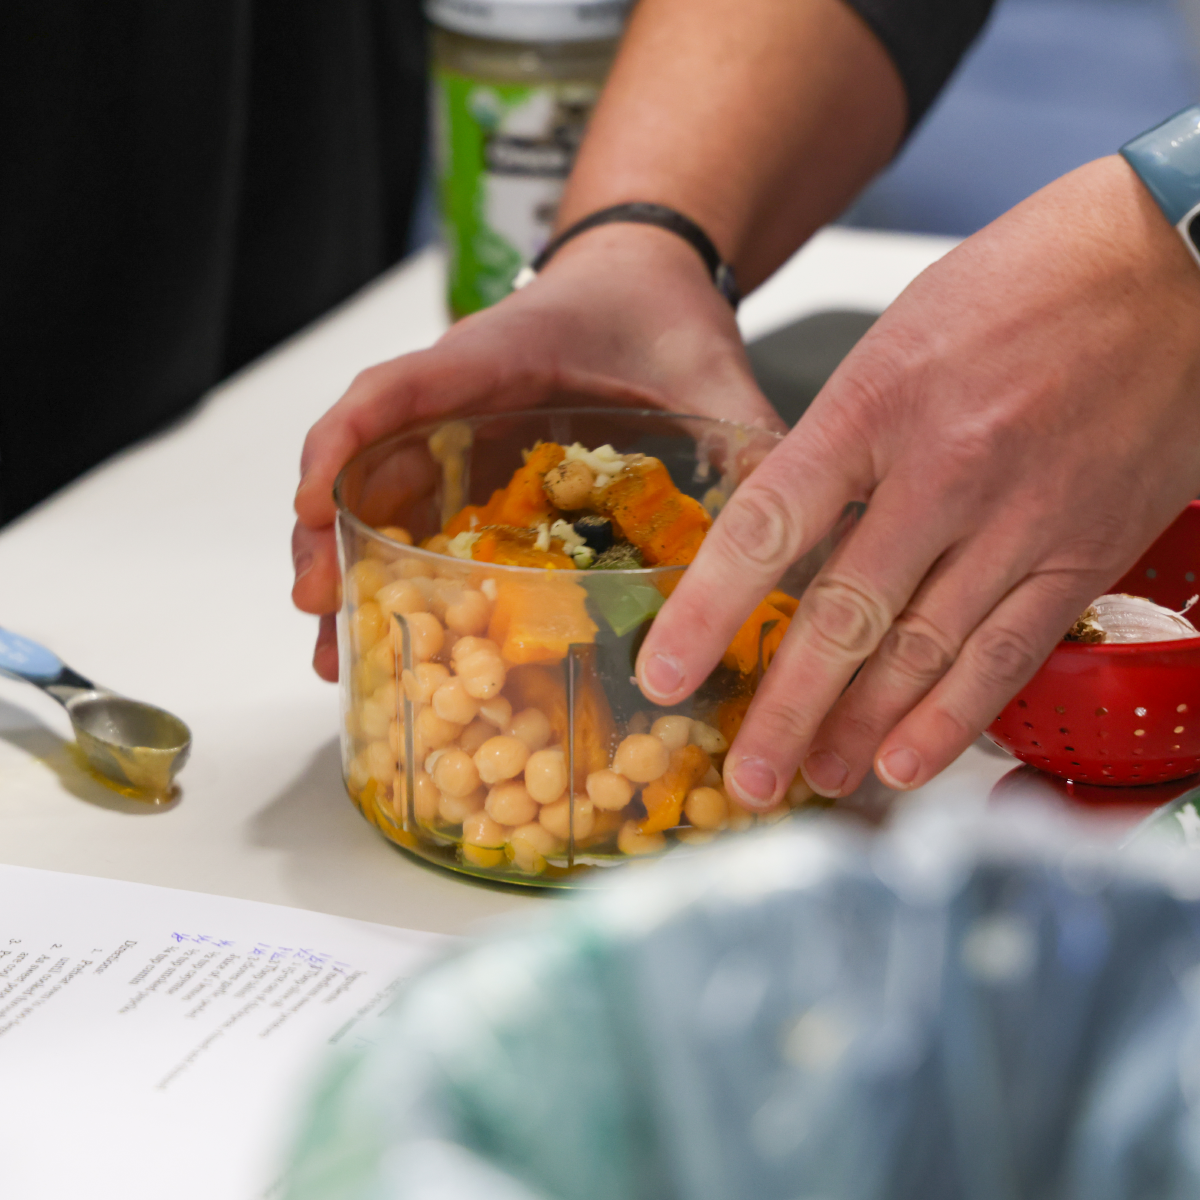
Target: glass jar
column 514, row 85
column 491, row 723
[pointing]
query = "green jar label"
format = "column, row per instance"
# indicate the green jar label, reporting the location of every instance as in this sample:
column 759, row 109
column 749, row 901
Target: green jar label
column 503, row 152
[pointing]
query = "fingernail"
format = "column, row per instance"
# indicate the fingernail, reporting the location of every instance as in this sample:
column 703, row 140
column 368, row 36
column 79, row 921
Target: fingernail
column 898, row 768
column 825, row 773
column 755, row 782
column 662, row 675
column 303, row 564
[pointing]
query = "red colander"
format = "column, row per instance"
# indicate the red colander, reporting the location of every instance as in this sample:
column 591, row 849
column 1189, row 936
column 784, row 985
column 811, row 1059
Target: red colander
column 1124, row 714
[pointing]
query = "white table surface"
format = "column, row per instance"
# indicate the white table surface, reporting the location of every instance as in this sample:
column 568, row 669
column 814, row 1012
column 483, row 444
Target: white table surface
column 165, row 574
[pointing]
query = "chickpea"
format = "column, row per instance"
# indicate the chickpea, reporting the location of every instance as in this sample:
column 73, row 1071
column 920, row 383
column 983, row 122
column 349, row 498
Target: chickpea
column 425, row 796
column 367, row 675
column 387, row 696
column 609, row 791
column 426, row 634
column 569, row 484
column 380, row 762
column 367, row 626
column 382, row 657
column 705, row 807
column 483, row 675
column 469, row 614
column 546, row 775
column 373, row 719
column 439, row 543
column 641, row 757
column 638, row 723
column 556, row 818
column 531, row 845
column 412, row 568
column 532, row 726
column 425, row 679
column 510, row 804
column 710, row 740
column 475, row 735
column 798, row 793
column 401, row 596
column 365, row 578
column 433, row 730
column 501, row 758
column 357, row 774
column 421, row 749
column 474, row 645
column 482, row 856
column 480, row 830
column 451, row 702
column 672, row 731
column 632, row 841
column 739, row 818
column 454, row 810
column 455, row 773
column 496, row 711
column 440, row 594
column 396, row 533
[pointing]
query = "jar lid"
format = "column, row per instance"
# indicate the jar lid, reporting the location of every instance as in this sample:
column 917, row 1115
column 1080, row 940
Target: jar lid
column 532, row 20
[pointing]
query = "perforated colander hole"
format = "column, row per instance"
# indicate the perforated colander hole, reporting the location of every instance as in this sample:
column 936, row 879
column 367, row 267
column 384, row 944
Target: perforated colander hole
column 1181, row 708
column 1102, row 712
column 1178, row 728
column 1139, row 712
column 1022, row 704
column 1071, row 749
column 1176, row 746
column 1063, row 729
column 1028, row 724
column 1035, row 743
column 1151, row 573
column 1139, row 733
column 1137, row 749
column 1058, row 708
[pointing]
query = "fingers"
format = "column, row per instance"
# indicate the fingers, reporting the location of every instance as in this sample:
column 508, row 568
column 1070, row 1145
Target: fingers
column 916, row 652
column 767, row 525
column 843, row 616
column 379, row 401
column 325, row 656
column 314, row 556
column 999, row 657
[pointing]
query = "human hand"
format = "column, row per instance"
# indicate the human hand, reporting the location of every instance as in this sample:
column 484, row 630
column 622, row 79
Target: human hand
column 622, row 315
column 1021, row 424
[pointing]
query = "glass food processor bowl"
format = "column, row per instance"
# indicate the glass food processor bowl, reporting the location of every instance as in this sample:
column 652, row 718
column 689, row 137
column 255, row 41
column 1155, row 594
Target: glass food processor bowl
column 491, row 722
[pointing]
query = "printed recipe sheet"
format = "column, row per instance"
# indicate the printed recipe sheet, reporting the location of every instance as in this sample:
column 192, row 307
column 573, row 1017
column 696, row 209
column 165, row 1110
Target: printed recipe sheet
column 162, row 1043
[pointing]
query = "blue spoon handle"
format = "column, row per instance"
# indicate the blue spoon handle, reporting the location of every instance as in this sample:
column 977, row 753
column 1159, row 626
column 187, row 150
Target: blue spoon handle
column 27, row 660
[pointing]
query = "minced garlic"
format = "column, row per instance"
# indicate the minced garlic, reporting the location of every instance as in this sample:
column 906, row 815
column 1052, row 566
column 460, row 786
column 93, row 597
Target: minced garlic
column 462, row 545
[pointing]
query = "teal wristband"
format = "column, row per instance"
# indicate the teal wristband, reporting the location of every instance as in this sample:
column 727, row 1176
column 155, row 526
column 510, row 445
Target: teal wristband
column 1167, row 160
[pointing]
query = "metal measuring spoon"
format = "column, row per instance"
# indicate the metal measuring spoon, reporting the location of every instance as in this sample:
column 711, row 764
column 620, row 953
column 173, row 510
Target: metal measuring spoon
column 133, row 744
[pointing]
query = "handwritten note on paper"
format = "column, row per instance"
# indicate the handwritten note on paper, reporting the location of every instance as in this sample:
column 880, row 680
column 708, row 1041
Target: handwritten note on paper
column 160, row 1043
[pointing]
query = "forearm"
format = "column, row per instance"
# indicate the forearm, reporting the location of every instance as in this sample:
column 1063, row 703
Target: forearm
column 760, row 119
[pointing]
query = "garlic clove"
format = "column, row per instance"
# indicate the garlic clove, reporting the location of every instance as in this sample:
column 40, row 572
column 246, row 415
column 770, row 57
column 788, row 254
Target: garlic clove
column 1120, row 618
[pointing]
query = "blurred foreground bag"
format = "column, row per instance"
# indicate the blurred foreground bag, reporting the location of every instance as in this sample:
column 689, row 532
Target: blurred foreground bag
column 992, row 1010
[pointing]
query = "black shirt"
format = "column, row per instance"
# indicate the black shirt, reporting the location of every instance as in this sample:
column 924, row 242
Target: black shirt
column 182, row 185
column 926, row 39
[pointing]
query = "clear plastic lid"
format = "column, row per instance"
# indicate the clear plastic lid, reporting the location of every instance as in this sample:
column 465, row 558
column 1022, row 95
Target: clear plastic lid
column 531, row 20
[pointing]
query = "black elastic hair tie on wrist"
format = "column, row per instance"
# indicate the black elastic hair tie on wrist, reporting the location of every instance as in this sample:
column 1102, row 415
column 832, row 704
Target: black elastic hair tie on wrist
column 641, row 213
